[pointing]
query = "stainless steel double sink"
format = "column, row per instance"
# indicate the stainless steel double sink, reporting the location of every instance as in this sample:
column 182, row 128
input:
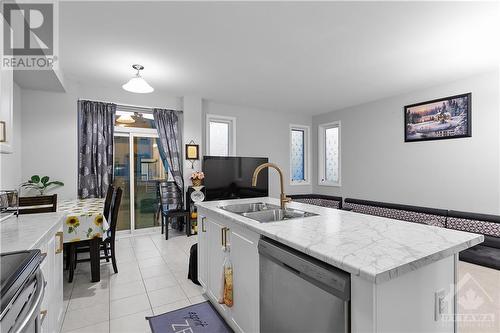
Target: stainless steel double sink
column 264, row 212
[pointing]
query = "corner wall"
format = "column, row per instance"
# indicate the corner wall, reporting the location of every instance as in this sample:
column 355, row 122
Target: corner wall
column 376, row 163
column 262, row 133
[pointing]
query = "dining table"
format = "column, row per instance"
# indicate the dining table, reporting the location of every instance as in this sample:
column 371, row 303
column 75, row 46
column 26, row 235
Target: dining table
column 84, row 223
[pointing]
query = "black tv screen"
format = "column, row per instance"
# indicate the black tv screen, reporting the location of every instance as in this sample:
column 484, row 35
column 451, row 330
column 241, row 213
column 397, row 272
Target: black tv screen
column 231, row 177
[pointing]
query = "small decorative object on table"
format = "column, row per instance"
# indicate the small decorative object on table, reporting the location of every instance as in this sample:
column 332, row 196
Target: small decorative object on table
column 40, row 184
column 197, row 178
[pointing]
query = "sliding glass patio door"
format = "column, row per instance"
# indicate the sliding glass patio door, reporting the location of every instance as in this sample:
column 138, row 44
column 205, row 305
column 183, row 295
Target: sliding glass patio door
column 138, row 168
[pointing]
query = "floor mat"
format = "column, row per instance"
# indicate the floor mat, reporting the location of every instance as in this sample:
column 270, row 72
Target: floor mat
column 196, row 318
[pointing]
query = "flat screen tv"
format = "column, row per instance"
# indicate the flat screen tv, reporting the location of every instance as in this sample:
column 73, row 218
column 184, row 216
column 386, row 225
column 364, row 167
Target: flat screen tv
column 231, row 177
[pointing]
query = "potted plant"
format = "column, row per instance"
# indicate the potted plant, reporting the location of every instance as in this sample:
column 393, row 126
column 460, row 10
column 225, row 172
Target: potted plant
column 197, row 178
column 40, row 184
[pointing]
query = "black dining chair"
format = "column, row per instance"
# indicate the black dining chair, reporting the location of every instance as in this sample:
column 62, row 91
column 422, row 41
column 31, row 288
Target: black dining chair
column 107, row 205
column 107, row 246
column 170, row 205
column 39, row 204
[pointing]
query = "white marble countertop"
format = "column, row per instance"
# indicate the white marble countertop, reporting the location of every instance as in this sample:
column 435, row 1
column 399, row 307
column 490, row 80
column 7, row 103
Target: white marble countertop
column 26, row 231
column 374, row 248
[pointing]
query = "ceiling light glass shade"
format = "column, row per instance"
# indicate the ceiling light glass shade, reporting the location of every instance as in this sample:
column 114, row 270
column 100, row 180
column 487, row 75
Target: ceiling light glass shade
column 125, row 119
column 138, row 85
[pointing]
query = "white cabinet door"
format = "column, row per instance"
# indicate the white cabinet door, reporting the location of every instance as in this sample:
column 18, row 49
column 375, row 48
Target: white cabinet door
column 57, row 277
column 215, row 259
column 202, row 252
column 48, row 272
column 245, row 261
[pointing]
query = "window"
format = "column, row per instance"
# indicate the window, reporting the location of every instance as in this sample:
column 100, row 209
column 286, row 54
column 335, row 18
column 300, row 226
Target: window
column 299, row 154
column 329, row 154
column 221, row 135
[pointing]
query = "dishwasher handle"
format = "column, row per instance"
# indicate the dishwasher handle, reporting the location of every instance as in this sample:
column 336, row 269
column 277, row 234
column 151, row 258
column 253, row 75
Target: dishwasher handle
column 324, row 276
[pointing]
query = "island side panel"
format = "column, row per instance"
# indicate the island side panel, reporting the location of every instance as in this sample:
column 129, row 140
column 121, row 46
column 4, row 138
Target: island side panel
column 406, row 303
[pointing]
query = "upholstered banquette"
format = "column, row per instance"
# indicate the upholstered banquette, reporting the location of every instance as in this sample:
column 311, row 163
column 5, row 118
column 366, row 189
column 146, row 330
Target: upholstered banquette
column 318, row 200
column 424, row 215
column 487, row 253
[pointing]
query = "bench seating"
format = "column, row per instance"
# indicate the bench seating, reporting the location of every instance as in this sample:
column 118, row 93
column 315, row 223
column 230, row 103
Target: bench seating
column 318, row 200
column 487, row 253
column 424, row 215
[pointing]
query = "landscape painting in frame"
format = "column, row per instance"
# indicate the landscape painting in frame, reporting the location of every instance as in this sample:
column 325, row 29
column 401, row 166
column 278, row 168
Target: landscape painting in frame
column 444, row 118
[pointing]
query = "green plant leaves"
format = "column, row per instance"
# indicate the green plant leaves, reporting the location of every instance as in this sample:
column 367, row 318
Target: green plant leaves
column 44, row 179
column 35, row 179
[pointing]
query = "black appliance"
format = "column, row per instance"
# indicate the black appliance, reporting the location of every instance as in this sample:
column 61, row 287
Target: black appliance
column 231, row 177
column 21, row 291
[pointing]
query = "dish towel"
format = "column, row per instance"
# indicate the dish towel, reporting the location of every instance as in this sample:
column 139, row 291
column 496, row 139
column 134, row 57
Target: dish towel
column 226, row 290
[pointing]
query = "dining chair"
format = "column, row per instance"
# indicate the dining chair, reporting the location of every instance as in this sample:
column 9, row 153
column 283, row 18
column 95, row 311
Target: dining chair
column 39, row 204
column 170, row 204
column 107, row 205
column 107, row 201
column 107, row 246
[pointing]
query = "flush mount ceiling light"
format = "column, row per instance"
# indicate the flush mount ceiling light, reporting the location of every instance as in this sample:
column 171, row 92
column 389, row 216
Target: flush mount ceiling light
column 137, row 84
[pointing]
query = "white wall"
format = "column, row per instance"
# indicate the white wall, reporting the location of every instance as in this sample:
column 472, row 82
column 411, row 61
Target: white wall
column 49, row 128
column 262, row 133
column 10, row 164
column 460, row 174
column 192, row 130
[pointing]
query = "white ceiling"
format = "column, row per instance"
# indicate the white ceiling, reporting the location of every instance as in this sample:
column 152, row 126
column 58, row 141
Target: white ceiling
column 295, row 57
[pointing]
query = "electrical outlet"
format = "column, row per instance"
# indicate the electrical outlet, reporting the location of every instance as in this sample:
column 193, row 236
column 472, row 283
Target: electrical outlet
column 440, row 304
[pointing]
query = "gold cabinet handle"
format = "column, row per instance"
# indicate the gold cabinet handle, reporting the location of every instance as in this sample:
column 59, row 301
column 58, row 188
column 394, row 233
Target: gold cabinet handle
column 60, row 234
column 43, row 314
column 203, row 229
column 225, row 236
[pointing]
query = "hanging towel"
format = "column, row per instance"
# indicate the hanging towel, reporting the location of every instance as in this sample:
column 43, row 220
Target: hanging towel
column 228, row 284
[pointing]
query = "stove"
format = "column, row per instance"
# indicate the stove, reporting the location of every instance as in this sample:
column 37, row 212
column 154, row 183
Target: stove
column 21, row 291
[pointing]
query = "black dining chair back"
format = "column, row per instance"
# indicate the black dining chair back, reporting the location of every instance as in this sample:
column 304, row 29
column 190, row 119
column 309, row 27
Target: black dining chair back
column 170, row 197
column 108, row 200
column 170, row 205
column 115, row 208
column 39, row 204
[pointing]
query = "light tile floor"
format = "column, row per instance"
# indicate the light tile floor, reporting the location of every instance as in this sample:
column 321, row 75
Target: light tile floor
column 151, row 279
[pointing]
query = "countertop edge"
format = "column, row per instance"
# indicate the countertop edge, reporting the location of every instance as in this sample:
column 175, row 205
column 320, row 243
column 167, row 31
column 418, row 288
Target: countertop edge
column 376, row 278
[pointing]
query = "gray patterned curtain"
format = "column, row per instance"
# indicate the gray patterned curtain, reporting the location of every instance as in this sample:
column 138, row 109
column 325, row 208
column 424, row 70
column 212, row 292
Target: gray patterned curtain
column 96, row 121
column 169, row 143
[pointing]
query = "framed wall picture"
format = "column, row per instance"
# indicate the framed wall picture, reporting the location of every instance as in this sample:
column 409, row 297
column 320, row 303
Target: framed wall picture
column 192, row 152
column 443, row 118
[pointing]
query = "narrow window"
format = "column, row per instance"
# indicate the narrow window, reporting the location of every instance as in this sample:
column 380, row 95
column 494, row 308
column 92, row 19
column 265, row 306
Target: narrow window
column 299, row 154
column 220, row 135
column 329, row 154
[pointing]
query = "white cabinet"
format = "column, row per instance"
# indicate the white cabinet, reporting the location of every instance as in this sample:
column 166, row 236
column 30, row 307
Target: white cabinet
column 52, row 267
column 245, row 259
column 241, row 246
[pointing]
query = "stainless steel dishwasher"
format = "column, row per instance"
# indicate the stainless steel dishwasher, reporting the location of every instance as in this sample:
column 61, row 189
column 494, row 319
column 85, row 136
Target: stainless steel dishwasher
column 301, row 294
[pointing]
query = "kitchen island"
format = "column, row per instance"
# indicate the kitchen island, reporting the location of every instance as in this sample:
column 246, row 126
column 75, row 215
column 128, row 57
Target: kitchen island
column 403, row 274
